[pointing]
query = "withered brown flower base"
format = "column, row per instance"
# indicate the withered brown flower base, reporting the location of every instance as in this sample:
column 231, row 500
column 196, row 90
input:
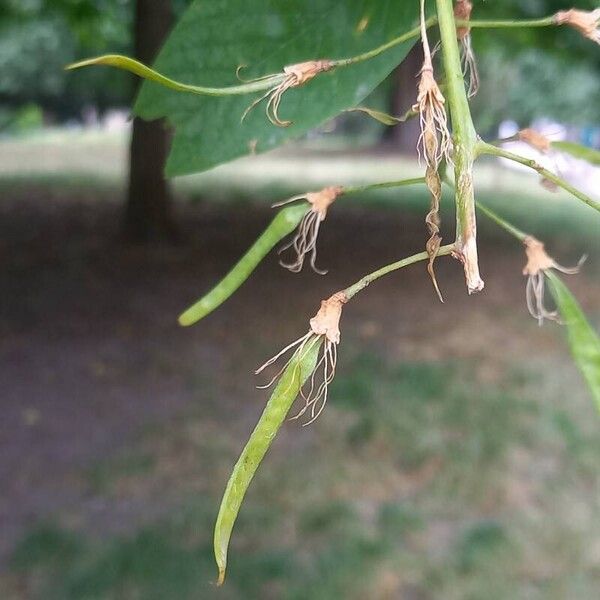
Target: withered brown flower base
column 294, row 76
column 305, row 241
column 538, row 263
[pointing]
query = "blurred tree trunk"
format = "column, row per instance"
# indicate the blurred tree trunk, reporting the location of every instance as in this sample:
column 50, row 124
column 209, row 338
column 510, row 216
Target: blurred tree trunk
column 148, row 210
column 404, row 137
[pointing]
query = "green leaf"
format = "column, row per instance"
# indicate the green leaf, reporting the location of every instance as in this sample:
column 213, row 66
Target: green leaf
column 379, row 115
column 578, row 151
column 583, row 340
column 284, row 223
column 299, row 369
column 213, row 38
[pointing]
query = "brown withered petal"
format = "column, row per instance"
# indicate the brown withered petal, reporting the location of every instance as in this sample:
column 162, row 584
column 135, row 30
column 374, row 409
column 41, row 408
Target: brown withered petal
column 586, row 22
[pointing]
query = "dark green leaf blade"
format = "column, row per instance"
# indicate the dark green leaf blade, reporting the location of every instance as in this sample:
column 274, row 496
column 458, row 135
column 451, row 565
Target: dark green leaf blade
column 583, row 340
column 213, row 38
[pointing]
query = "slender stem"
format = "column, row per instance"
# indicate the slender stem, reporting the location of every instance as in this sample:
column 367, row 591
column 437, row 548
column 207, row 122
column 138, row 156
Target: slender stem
column 545, row 22
column 360, row 285
column 413, row 33
column 485, row 148
column 465, row 141
column 357, row 189
column 520, row 235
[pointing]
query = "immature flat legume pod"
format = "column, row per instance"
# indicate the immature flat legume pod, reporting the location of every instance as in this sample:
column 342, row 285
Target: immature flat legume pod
column 283, row 224
column 293, row 378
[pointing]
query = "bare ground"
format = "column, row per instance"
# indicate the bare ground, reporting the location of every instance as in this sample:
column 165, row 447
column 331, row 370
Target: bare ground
column 91, row 355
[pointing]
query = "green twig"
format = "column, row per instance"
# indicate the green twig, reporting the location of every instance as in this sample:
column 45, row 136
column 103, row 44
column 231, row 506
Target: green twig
column 520, row 235
column 414, row 33
column 405, row 37
column 508, row 24
column 357, row 189
column 484, row 148
column 405, row 262
column 465, row 141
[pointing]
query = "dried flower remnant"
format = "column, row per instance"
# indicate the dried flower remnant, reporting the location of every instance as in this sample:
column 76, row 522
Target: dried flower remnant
column 435, row 141
column 462, row 12
column 535, row 139
column 433, row 222
column 325, row 328
column 543, row 145
column 586, row 22
column 434, row 144
column 294, row 76
column 305, row 240
column 538, row 263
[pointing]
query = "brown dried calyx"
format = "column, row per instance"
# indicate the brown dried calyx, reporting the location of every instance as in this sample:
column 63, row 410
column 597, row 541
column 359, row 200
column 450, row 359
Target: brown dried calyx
column 294, row 76
column 537, row 258
column 535, row 139
column 462, row 12
column 304, row 241
column 322, row 200
column 327, row 320
column 324, row 329
column 586, row 22
column 301, row 73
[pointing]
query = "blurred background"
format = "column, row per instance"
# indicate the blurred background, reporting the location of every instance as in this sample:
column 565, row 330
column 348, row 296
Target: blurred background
column 458, row 456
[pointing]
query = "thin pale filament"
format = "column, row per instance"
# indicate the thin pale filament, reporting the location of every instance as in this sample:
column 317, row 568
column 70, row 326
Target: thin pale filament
column 470, row 71
column 305, row 242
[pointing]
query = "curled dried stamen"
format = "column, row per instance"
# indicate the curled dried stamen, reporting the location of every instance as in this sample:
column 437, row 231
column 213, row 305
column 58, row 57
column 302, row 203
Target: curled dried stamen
column 538, row 263
column 434, row 145
column 586, row 22
column 305, row 240
column 433, row 222
column 294, row 76
column 462, row 12
column 325, row 328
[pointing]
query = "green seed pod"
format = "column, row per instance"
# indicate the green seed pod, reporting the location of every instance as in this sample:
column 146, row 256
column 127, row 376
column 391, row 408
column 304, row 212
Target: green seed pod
column 298, row 370
column 283, row 224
